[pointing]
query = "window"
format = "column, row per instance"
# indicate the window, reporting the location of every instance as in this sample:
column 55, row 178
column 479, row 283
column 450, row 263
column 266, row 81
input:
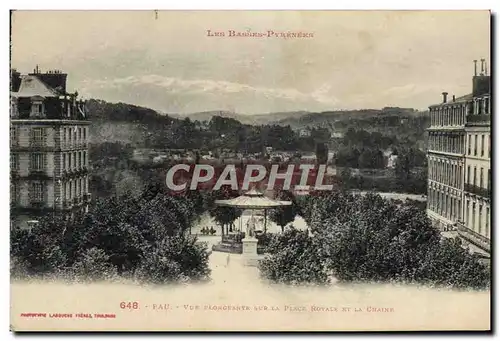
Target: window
column 482, row 145
column 469, row 146
column 37, row 192
column 13, row 107
column 79, row 134
column 64, row 161
column 74, row 160
column 474, row 178
column 475, row 145
column 481, row 177
column 487, row 224
column 69, row 161
column 37, row 136
column 37, row 108
column 489, row 179
column 467, row 213
column 84, row 134
column 479, row 226
column 69, row 135
column 84, row 159
column 14, row 162
column 13, row 135
column 13, row 193
column 37, row 161
column 448, row 206
column 474, row 216
column 487, row 105
column 70, row 189
column 468, row 174
column 80, row 159
column 74, row 136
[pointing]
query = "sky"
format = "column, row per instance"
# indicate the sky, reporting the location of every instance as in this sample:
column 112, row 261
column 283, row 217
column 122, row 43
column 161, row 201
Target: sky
column 167, row 61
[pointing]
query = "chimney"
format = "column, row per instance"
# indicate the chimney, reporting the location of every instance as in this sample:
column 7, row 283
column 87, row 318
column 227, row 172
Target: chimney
column 445, row 94
column 453, row 98
column 475, row 67
column 15, row 80
column 481, row 82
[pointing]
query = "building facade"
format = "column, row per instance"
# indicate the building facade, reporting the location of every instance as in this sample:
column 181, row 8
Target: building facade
column 459, row 175
column 49, row 158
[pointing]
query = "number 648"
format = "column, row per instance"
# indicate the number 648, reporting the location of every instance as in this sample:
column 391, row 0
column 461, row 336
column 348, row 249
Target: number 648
column 129, row 305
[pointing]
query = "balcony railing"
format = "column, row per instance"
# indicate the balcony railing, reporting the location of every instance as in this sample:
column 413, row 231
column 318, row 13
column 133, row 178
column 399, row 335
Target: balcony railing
column 37, row 203
column 478, row 118
column 38, row 174
column 483, row 192
column 38, row 143
column 474, row 237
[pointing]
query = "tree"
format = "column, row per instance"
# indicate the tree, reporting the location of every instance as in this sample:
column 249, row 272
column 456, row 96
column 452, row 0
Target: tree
column 366, row 159
column 286, row 214
column 293, row 260
column 366, row 238
column 40, row 251
column 94, row 264
column 176, row 259
column 120, row 235
column 403, row 167
column 321, row 153
column 224, row 216
column 450, row 264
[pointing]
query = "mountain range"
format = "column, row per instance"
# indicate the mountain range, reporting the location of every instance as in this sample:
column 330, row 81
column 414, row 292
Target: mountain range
column 133, row 124
column 258, row 119
column 301, row 119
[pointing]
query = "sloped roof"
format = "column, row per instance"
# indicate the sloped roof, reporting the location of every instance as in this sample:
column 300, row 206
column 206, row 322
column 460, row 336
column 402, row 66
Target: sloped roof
column 451, row 102
column 32, row 86
column 252, row 199
column 467, row 97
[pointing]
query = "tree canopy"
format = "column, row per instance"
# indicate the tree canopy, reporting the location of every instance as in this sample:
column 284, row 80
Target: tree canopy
column 120, row 236
column 366, row 238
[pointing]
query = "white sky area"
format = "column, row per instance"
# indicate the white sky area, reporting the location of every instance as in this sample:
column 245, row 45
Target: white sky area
column 363, row 59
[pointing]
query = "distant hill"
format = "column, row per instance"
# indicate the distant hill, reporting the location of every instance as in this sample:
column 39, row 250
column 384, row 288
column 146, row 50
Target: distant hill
column 134, row 124
column 126, row 123
column 303, row 119
column 329, row 118
column 245, row 119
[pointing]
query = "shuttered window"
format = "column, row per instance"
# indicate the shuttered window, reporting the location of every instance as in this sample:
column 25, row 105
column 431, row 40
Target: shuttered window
column 37, row 161
column 36, row 194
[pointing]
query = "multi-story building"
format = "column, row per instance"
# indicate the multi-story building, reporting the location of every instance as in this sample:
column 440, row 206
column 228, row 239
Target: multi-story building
column 49, row 134
column 459, row 151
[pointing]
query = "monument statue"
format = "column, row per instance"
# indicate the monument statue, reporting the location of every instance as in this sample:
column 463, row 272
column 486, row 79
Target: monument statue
column 251, row 227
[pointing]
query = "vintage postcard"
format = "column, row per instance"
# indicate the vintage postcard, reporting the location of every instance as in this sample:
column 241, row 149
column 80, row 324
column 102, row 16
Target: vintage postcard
column 250, row 171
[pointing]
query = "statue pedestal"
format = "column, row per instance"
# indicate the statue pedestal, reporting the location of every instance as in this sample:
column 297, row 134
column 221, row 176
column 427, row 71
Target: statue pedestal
column 250, row 257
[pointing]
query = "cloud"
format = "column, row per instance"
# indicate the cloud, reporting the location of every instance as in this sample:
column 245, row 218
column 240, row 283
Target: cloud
column 321, row 98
